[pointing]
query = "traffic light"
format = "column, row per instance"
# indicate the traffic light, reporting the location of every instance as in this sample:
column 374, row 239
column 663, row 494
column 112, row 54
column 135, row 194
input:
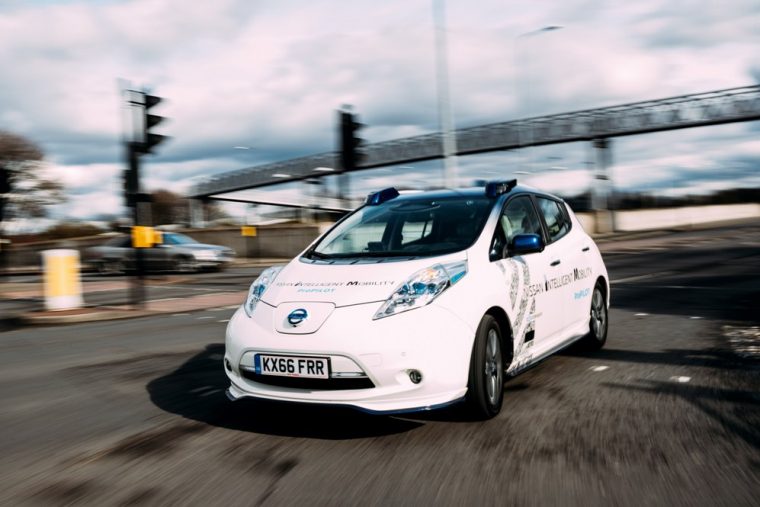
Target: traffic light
column 150, row 139
column 350, row 143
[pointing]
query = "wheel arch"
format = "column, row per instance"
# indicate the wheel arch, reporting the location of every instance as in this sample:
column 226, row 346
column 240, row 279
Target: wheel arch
column 605, row 285
column 505, row 326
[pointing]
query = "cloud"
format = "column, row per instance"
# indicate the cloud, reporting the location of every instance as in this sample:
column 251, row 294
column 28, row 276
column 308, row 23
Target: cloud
column 270, row 75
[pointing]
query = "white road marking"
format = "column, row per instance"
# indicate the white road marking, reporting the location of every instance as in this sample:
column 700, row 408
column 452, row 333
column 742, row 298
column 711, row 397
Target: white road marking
column 599, row 368
column 179, row 314
column 639, row 277
column 641, row 314
column 223, row 320
column 695, row 317
column 680, row 380
column 205, row 317
column 185, row 287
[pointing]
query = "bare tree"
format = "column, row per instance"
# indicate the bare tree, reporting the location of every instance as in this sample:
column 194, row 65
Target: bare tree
column 24, row 192
column 170, row 208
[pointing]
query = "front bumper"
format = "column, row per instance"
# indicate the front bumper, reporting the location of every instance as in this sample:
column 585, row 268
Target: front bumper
column 431, row 340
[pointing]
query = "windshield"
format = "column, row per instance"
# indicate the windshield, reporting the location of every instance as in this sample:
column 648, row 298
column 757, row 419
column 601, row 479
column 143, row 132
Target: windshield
column 172, row 238
column 408, row 228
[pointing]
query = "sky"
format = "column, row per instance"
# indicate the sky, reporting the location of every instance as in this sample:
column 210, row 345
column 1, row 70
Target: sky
column 270, row 75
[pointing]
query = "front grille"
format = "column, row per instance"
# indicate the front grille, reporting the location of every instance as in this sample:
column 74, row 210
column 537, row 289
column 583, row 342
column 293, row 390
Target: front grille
column 312, row 384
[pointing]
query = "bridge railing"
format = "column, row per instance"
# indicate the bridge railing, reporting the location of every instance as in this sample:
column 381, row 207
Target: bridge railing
column 686, row 111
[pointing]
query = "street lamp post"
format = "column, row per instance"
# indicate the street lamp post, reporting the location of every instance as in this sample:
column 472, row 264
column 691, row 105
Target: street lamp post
column 444, row 103
column 532, row 33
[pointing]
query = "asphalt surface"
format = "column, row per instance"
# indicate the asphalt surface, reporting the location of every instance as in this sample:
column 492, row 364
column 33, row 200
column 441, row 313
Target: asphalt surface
column 668, row 413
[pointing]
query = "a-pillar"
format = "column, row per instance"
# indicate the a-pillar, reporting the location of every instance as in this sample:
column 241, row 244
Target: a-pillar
column 602, row 201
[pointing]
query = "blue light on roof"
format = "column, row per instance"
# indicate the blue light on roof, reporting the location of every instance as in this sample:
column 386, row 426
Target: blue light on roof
column 382, row 196
column 496, row 188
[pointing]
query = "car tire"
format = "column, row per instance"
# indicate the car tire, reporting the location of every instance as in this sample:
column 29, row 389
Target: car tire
column 111, row 267
column 485, row 385
column 598, row 320
column 184, row 265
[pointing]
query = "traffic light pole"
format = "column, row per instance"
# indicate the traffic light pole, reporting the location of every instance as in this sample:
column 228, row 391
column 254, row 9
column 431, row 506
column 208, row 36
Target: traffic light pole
column 349, row 150
column 137, row 287
column 142, row 142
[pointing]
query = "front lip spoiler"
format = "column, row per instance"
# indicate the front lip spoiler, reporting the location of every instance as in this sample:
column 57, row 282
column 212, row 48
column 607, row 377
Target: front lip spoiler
column 412, row 410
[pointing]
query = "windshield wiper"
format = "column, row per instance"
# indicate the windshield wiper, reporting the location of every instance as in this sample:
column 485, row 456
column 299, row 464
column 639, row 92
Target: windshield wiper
column 359, row 255
column 317, row 255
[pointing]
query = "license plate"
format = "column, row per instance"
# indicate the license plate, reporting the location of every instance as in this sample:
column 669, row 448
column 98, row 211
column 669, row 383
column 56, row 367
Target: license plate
column 292, row 366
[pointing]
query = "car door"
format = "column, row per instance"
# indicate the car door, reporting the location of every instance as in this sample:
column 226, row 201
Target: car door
column 154, row 257
column 578, row 253
column 531, row 311
column 562, row 262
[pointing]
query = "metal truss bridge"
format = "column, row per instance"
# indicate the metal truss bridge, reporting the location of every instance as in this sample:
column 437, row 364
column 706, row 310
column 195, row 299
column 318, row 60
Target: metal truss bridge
column 687, row 111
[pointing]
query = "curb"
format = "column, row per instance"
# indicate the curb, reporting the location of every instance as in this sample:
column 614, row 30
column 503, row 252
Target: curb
column 37, row 270
column 30, row 319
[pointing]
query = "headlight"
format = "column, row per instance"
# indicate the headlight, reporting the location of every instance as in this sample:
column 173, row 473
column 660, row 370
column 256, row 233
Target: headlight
column 422, row 288
column 258, row 287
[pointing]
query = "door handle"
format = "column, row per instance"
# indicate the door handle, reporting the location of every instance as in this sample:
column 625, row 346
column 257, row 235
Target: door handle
column 586, row 249
column 555, row 263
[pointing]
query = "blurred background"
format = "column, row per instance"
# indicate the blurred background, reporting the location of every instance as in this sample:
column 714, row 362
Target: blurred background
column 279, row 118
column 252, row 83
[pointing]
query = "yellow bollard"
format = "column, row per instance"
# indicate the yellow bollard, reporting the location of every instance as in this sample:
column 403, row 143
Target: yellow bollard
column 62, row 285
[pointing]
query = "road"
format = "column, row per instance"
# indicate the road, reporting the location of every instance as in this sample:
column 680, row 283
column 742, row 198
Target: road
column 668, row 413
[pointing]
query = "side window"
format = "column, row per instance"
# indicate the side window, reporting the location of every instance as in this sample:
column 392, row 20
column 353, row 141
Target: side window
column 519, row 217
column 555, row 217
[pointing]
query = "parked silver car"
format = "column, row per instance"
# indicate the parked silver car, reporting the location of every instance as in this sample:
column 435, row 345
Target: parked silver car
column 177, row 252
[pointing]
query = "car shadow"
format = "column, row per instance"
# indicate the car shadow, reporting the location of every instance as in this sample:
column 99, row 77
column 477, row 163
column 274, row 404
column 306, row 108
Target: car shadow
column 196, row 390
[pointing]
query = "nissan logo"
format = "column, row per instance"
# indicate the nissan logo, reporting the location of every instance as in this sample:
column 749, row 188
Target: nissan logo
column 297, row 316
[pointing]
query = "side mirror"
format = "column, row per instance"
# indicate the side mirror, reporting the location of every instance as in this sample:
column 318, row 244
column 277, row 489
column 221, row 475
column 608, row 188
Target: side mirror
column 526, row 243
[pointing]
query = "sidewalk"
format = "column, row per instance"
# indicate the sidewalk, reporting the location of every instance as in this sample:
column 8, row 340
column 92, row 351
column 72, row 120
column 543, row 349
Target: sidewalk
column 236, row 263
column 16, row 299
column 155, row 307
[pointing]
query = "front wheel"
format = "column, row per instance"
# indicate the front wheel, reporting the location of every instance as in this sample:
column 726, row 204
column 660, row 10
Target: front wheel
column 485, row 386
column 110, row 267
column 598, row 321
column 184, row 265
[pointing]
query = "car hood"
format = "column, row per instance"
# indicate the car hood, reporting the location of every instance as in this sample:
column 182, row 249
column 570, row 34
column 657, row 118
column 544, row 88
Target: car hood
column 345, row 284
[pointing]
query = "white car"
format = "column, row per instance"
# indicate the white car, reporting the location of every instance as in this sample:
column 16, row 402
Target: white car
column 418, row 300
